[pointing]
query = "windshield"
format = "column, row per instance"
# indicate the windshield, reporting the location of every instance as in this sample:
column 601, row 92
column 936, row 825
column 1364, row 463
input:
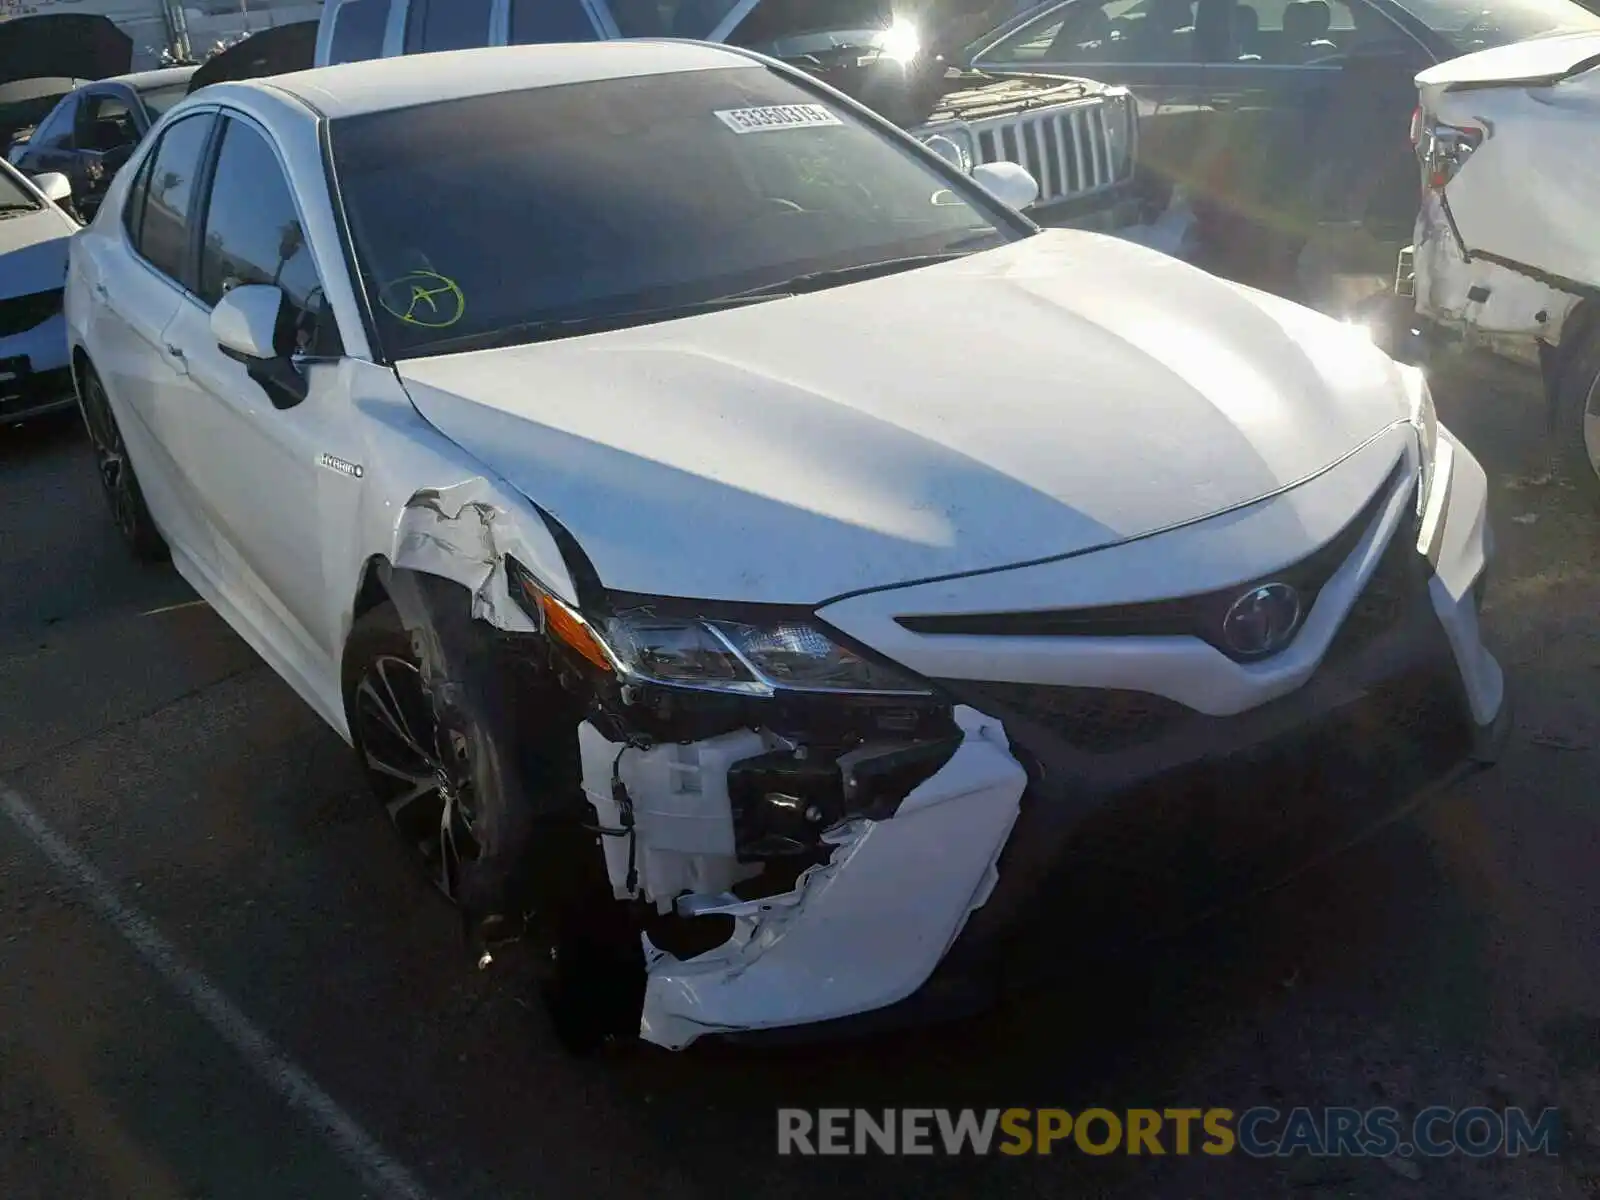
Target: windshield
column 13, row 196
column 158, row 99
column 627, row 196
column 1471, row 25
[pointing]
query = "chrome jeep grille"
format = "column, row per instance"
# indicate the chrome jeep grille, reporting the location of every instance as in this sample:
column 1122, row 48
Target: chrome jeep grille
column 1067, row 149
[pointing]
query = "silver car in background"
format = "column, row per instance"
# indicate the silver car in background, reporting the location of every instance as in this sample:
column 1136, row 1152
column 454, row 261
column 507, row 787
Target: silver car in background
column 34, row 233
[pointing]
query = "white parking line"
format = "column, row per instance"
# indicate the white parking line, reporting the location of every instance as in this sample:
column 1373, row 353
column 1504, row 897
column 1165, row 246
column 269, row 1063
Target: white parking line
column 381, row 1171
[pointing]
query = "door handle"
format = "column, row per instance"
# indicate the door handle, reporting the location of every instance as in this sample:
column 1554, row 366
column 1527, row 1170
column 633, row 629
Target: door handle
column 175, row 351
column 102, row 291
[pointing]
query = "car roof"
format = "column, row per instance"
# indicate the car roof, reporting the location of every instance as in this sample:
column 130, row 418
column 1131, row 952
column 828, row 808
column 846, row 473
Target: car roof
column 34, row 89
column 143, row 80
column 381, row 84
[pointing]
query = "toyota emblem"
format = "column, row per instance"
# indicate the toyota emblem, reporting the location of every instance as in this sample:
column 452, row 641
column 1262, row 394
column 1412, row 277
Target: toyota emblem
column 1262, row 621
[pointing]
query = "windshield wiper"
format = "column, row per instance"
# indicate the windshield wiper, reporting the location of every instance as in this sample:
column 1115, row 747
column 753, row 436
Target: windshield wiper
column 552, row 330
column 815, row 281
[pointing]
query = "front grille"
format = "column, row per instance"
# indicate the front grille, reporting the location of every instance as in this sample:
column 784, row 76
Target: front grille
column 1111, row 720
column 1199, row 616
column 1394, row 583
column 18, row 314
column 1066, row 149
column 1095, row 720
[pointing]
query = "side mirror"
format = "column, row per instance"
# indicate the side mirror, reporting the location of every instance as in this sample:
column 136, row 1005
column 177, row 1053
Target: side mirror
column 1008, row 183
column 56, row 187
column 248, row 325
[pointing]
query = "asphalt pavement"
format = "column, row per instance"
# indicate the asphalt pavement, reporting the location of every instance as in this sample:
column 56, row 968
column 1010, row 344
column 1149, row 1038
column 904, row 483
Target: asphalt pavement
column 219, row 977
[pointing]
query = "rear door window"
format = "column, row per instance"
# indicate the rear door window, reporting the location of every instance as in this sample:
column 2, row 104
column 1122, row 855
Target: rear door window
column 447, row 25
column 1103, row 31
column 358, row 29
column 165, row 208
column 536, row 21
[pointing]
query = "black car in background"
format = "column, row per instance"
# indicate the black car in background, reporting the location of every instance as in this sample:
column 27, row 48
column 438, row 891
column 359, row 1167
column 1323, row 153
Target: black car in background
column 1278, row 116
column 45, row 58
column 93, row 131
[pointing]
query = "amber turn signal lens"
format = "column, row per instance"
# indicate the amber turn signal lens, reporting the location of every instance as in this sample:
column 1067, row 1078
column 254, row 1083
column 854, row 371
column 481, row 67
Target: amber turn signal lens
column 562, row 623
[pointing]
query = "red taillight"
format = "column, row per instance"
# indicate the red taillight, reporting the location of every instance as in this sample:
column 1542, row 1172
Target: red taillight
column 1442, row 149
column 1416, row 126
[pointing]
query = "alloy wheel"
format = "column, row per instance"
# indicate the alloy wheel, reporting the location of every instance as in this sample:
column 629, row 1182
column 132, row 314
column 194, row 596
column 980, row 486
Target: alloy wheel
column 419, row 770
column 1591, row 424
column 111, row 457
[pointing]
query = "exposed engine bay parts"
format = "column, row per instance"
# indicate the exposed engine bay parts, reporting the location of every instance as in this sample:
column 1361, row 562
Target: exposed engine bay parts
column 879, row 902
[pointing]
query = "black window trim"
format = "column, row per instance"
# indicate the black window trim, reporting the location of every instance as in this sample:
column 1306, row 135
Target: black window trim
column 136, row 194
column 191, row 259
column 197, row 235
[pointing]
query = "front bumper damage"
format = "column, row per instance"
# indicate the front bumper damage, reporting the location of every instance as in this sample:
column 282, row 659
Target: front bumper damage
column 858, row 932
column 786, row 876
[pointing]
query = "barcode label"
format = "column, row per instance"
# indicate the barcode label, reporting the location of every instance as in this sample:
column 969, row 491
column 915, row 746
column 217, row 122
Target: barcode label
column 777, row 116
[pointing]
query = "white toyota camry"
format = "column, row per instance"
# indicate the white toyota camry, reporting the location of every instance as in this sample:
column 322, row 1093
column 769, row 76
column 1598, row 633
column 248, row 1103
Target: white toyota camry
column 748, row 557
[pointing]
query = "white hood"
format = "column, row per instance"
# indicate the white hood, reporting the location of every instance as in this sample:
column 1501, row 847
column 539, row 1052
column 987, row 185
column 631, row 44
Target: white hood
column 1541, row 60
column 33, row 251
column 1064, row 392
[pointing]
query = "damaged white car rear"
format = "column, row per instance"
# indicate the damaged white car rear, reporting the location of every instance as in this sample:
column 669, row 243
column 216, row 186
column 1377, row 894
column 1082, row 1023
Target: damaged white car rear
column 1505, row 253
column 748, row 557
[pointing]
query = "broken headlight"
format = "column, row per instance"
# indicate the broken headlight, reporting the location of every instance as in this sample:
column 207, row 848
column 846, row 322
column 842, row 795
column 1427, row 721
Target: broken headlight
column 746, row 658
column 740, row 657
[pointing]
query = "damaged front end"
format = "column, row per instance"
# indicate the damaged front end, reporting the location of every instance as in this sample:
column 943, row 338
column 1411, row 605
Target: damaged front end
column 802, row 829
column 786, row 830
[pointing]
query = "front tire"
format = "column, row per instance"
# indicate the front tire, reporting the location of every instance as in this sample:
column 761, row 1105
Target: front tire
column 416, row 771
column 117, row 477
column 1576, row 448
column 588, row 960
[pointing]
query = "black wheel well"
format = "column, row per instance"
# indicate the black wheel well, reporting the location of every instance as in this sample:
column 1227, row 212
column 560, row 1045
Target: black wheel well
column 1555, row 360
column 372, row 593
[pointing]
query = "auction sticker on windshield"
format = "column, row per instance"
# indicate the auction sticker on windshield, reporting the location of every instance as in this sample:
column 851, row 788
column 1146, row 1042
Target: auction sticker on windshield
column 777, row 116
